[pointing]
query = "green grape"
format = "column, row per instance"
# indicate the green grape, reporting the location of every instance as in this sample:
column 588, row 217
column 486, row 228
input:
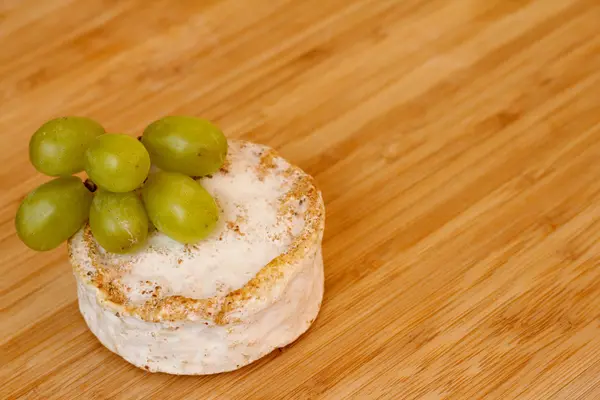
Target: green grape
column 53, row 212
column 117, row 163
column 57, row 148
column 118, row 221
column 179, row 207
column 188, row 145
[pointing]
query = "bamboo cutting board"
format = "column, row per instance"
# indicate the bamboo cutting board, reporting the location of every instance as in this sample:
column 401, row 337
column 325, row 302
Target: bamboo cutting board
column 457, row 145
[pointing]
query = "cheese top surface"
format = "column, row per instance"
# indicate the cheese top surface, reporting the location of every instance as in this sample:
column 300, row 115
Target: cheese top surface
column 264, row 207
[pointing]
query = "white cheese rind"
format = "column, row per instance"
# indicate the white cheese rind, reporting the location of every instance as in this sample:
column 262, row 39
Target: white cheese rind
column 254, row 285
column 193, row 348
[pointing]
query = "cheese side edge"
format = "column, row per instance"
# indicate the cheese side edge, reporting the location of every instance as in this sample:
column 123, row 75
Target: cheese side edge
column 201, row 348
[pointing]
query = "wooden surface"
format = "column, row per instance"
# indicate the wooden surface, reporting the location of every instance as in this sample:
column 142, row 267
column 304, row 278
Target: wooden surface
column 457, row 145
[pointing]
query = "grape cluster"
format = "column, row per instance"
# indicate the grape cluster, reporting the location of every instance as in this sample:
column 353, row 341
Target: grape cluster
column 121, row 199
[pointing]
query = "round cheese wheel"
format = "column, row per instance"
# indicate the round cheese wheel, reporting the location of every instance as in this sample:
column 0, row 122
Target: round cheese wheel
column 254, row 285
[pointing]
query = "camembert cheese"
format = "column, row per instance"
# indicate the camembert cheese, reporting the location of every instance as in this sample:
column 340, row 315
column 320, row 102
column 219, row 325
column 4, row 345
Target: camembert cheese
column 254, row 285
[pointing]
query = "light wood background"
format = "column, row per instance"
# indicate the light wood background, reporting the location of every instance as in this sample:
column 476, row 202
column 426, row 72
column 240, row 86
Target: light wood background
column 457, row 145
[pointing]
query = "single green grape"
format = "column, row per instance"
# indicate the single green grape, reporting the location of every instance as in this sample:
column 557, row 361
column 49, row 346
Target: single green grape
column 53, row 212
column 179, row 207
column 189, row 145
column 57, row 148
column 118, row 221
column 117, row 162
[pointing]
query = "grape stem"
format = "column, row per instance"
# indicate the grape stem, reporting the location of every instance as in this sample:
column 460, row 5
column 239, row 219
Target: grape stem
column 90, row 185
